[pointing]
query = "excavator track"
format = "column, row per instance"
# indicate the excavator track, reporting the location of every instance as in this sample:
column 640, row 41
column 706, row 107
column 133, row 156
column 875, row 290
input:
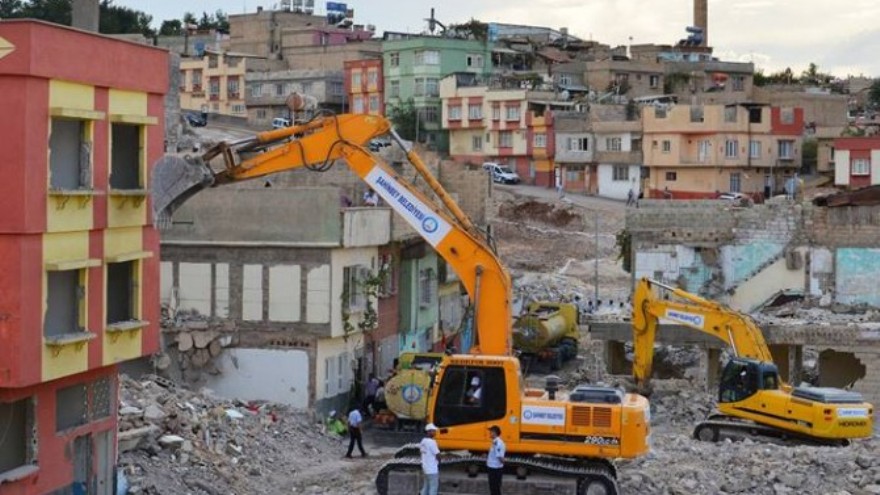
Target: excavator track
column 466, row 474
column 718, row 427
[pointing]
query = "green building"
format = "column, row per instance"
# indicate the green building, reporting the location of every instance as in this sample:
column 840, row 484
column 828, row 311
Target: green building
column 413, row 66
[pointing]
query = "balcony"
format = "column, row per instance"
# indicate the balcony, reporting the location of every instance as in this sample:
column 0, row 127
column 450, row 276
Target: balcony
column 620, row 157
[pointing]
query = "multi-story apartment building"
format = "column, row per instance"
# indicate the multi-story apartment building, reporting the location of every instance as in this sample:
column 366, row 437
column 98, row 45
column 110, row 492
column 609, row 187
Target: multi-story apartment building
column 260, row 32
column 599, row 151
column 698, row 151
column 413, row 67
column 856, row 161
column 328, row 48
column 364, row 85
column 79, row 252
column 214, row 83
column 287, row 272
column 489, row 122
column 267, row 92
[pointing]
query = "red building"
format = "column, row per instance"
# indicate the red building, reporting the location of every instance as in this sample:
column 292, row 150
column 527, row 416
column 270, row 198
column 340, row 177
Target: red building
column 82, row 121
column 364, row 86
column 856, row 161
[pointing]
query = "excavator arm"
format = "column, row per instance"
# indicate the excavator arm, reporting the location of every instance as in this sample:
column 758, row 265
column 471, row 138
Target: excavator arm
column 317, row 145
column 649, row 307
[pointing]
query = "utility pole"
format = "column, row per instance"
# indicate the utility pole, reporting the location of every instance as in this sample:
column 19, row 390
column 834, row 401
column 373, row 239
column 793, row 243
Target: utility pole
column 596, row 261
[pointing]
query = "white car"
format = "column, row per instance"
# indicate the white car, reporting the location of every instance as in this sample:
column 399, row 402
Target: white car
column 501, row 173
column 732, row 196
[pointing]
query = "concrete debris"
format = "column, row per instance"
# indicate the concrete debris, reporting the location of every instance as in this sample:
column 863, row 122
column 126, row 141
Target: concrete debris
column 173, row 440
column 679, row 464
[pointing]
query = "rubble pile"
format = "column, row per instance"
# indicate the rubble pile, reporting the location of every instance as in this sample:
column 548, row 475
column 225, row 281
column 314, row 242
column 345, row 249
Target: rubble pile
column 679, row 464
column 172, row 440
column 805, row 312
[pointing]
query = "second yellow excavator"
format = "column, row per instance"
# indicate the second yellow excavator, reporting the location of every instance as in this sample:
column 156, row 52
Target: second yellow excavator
column 558, row 441
column 752, row 399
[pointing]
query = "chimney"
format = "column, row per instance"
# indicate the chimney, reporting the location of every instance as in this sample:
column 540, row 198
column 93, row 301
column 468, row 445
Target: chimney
column 84, row 14
column 701, row 19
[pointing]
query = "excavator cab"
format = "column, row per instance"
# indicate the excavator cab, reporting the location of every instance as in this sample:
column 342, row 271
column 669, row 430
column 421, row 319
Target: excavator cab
column 743, row 378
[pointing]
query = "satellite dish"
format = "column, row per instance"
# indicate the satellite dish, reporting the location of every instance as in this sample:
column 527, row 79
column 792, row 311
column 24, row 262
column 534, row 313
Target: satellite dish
column 565, row 95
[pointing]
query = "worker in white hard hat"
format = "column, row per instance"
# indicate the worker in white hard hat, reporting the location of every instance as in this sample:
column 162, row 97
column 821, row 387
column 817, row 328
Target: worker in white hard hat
column 474, row 392
column 430, row 461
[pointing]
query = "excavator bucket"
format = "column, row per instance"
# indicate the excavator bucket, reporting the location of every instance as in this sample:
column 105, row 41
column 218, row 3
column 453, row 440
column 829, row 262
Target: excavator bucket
column 176, row 179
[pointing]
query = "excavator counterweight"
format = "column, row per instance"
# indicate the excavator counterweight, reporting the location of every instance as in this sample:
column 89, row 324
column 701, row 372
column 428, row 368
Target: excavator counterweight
column 752, row 399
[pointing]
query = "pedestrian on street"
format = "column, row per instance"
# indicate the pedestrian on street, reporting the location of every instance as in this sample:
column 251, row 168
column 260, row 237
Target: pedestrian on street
column 630, row 198
column 370, row 393
column 430, row 461
column 355, row 420
column 495, row 460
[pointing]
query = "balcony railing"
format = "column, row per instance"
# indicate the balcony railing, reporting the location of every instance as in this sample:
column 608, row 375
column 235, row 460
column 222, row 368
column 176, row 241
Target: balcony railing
column 620, row 157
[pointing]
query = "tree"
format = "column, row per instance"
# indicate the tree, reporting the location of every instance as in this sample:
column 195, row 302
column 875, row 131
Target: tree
column 473, row 29
column 10, row 8
column 874, row 94
column 173, row 27
column 810, row 154
column 189, row 19
column 404, row 116
column 811, row 75
column 222, row 21
column 120, row 20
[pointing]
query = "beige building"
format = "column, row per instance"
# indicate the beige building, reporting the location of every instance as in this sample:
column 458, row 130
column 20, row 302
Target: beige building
column 640, row 77
column 695, row 151
column 260, row 33
column 215, row 83
column 267, row 93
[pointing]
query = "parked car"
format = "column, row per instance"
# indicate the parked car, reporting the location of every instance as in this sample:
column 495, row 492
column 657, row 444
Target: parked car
column 280, row 122
column 378, row 144
column 195, row 119
column 501, row 173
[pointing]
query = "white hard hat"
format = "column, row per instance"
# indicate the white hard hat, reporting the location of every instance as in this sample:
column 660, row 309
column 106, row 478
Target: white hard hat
column 475, row 381
column 430, row 427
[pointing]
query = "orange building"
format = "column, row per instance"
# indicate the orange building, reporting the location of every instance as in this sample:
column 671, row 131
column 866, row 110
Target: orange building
column 364, row 86
column 83, row 119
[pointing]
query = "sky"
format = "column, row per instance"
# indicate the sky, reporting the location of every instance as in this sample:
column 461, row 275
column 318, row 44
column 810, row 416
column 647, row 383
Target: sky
column 840, row 37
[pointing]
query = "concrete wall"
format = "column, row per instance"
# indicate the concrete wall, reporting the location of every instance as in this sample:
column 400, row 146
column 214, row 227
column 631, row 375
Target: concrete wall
column 749, row 254
column 266, row 215
column 277, row 375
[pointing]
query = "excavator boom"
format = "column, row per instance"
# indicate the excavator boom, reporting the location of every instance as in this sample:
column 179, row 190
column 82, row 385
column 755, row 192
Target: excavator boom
column 753, row 400
column 317, row 145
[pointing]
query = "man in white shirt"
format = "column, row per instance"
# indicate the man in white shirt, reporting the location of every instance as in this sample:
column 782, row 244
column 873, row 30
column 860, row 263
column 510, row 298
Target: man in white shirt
column 473, row 394
column 371, row 198
column 495, row 460
column 430, row 461
column 354, row 430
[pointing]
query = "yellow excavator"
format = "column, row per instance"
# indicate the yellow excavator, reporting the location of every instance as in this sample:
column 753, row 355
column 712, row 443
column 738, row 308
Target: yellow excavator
column 561, row 441
column 752, row 400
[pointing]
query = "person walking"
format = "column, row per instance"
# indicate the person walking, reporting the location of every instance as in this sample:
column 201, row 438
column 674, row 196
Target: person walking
column 370, row 393
column 630, row 198
column 495, row 460
column 430, row 461
column 354, row 431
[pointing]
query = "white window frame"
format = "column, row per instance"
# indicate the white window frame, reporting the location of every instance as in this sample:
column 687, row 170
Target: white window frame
column 754, row 149
column 454, row 112
column 861, row 166
column 505, row 139
column 614, row 144
column 667, row 146
column 578, row 144
column 394, row 88
column 704, row 150
column 432, row 86
column 786, row 149
column 731, row 148
column 474, row 61
column 475, row 111
column 620, row 173
column 477, row 143
column 540, row 140
column 496, row 112
column 357, row 81
column 394, row 59
column 512, row 113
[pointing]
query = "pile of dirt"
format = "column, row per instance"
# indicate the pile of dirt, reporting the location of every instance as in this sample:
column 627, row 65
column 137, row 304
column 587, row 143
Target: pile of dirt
column 530, row 210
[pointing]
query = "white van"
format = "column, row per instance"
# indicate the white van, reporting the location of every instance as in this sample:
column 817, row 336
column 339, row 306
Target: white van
column 280, row 122
column 501, row 174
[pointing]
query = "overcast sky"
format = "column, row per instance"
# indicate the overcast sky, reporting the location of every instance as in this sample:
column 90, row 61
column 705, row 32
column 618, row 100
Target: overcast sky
column 841, row 37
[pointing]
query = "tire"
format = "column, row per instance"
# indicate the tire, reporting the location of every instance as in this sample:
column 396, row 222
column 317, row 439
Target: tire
column 706, row 433
column 597, row 487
